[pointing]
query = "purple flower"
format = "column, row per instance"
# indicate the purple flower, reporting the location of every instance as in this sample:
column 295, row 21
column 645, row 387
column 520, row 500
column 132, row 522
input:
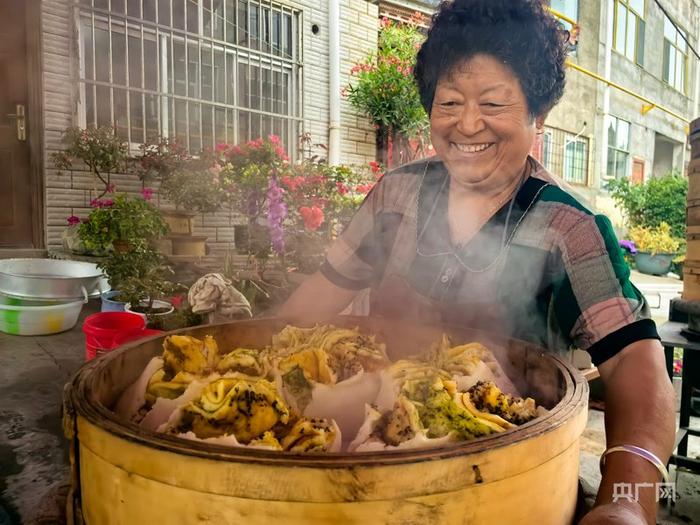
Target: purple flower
column 147, row 193
column 73, row 220
column 277, row 212
column 629, row 246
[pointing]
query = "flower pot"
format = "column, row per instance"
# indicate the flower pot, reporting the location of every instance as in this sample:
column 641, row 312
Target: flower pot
column 122, row 246
column 161, row 307
column 654, row 264
column 194, row 245
column 179, row 222
column 109, row 304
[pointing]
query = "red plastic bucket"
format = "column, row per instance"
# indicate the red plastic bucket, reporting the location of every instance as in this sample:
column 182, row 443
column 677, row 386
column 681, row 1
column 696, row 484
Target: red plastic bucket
column 105, row 331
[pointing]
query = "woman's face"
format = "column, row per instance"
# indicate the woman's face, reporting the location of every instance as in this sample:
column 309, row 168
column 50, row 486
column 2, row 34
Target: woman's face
column 480, row 124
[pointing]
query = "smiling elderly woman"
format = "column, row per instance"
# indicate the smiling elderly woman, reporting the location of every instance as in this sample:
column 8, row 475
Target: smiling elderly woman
column 482, row 235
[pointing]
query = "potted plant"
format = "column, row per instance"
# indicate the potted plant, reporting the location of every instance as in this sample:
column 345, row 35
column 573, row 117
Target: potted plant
column 157, row 163
column 145, row 293
column 99, row 149
column 656, row 248
column 193, row 189
column 121, row 267
column 121, row 224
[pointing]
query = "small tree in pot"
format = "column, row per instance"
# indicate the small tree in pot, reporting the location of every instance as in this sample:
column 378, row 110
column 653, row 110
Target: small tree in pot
column 99, row 149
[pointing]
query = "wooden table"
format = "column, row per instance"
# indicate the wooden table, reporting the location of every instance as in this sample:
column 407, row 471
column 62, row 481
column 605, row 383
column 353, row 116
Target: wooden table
column 671, row 337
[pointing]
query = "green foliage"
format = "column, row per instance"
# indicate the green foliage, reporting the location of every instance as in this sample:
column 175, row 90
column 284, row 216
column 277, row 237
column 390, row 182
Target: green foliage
column 384, row 89
column 194, row 189
column 131, row 220
column 656, row 201
column 148, row 279
column 100, row 149
column 122, row 266
column 160, row 159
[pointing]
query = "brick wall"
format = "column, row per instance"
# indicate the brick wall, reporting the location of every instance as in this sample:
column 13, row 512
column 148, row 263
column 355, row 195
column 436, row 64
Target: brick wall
column 70, row 192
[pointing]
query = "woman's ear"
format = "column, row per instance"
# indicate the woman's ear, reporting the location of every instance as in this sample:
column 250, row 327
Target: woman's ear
column 539, row 123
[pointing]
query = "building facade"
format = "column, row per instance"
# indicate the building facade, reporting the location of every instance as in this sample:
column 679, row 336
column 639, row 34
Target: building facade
column 204, row 71
column 635, row 125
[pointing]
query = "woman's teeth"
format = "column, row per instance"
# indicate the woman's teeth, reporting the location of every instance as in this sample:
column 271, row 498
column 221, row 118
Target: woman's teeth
column 471, row 148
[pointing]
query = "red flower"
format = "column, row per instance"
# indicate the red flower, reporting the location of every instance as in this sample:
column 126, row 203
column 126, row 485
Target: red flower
column 364, row 188
column 72, row 220
column 342, row 188
column 313, row 217
column 221, row 147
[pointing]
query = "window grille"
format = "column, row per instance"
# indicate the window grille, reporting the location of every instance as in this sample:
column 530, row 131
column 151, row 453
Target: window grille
column 204, row 71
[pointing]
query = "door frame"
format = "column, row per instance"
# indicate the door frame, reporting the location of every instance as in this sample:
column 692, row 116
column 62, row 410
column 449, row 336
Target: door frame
column 35, row 121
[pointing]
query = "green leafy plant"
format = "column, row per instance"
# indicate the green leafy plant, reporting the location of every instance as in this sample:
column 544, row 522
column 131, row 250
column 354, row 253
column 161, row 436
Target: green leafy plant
column 654, row 239
column 656, row 201
column 321, row 199
column 148, row 284
column 100, row 149
column 194, row 188
column 120, row 267
column 384, row 90
column 130, row 220
column 160, row 159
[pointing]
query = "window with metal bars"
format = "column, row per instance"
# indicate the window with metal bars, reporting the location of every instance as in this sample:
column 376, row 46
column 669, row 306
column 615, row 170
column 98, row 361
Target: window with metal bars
column 204, row 71
column 566, row 155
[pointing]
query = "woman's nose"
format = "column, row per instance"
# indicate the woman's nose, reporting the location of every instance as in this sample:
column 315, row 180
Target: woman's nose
column 470, row 121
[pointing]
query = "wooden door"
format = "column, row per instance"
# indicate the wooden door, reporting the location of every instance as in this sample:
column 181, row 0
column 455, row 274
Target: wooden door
column 638, row 171
column 17, row 213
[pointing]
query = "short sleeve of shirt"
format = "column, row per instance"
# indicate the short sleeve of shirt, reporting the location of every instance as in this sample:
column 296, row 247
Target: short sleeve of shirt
column 354, row 257
column 595, row 302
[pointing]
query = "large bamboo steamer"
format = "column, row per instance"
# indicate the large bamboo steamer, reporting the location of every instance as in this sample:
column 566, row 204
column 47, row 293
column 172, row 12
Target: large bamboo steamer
column 123, row 474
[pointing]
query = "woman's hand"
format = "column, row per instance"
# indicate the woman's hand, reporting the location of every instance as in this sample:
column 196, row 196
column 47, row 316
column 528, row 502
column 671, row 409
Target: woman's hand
column 620, row 513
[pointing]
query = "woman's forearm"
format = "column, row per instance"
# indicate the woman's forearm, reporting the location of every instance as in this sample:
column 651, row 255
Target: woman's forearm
column 316, row 300
column 639, row 410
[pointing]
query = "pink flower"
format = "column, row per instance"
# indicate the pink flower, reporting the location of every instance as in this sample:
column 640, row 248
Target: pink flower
column 147, row 193
column 73, row 220
column 215, row 169
column 274, row 139
column 221, row 147
column 101, row 203
column 342, row 188
column 110, row 188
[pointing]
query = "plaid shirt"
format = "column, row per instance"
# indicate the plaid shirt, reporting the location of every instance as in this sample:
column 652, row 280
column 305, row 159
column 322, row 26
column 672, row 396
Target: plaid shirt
column 543, row 268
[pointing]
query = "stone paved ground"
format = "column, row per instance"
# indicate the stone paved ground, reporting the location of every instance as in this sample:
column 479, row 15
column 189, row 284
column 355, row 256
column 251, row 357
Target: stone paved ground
column 33, row 458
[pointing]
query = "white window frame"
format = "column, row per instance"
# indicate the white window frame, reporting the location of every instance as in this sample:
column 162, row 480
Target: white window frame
column 88, row 17
column 614, row 149
column 674, row 68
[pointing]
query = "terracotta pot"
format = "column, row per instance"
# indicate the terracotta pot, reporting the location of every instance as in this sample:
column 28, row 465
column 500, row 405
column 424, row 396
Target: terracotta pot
column 122, row 246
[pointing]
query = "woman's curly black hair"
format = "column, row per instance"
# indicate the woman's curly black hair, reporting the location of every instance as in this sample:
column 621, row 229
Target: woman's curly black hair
column 519, row 33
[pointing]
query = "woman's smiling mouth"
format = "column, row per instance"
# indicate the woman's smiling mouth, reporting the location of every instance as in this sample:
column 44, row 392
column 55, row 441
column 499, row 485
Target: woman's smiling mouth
column 471, row 148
